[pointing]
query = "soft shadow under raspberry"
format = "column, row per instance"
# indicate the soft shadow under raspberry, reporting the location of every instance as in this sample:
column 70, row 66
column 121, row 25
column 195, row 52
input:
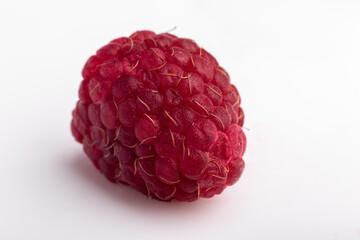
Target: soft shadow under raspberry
column 122, row 194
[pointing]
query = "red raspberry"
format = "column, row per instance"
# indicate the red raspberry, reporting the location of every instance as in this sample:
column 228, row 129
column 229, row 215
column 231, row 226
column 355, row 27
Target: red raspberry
column 158, row 113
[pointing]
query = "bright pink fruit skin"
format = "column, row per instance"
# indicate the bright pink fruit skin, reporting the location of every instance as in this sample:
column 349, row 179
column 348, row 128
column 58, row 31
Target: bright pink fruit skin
column 158, row 113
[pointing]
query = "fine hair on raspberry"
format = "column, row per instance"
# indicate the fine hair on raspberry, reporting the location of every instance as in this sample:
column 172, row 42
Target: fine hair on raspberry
column 158, row 113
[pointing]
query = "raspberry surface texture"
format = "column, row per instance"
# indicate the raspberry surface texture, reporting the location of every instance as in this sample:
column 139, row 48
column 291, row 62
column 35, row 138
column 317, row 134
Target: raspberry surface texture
column 158, row 113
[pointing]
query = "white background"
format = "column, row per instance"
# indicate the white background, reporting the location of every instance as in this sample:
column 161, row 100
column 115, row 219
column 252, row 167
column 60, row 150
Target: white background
column 296, row 65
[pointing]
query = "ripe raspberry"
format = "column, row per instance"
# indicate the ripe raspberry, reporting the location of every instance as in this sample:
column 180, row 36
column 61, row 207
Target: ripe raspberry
column 158, row 113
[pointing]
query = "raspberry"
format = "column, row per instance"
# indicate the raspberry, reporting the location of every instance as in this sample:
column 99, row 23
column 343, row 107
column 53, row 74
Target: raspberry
column 158, row 113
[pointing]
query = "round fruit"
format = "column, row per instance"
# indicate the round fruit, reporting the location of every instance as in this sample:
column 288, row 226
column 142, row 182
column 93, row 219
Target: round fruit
column 158, row 113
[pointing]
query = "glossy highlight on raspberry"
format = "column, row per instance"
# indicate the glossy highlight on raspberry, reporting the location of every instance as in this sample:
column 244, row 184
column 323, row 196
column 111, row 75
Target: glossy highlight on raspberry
column 158, row 113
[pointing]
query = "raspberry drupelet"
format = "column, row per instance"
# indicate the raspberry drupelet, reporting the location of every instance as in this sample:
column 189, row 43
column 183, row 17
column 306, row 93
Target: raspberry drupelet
column 158, row 113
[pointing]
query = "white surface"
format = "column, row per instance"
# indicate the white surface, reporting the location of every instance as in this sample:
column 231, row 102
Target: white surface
column 296, row 65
